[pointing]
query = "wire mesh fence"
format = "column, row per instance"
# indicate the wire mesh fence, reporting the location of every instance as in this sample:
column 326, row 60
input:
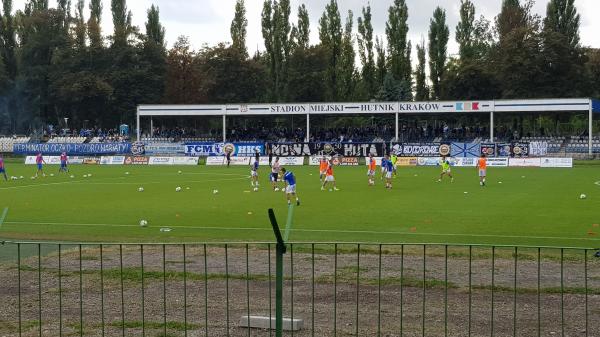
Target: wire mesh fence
column 337, row 289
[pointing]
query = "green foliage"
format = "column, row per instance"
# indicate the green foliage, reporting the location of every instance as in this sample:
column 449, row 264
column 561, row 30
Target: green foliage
column 303, row 28
column 277, row 35
column 421, row 88
column 155, row 32
column 238, row 29
column 366, row 54
column 347, row 74
column 381, row 65
column 396, row 30
column 465, row 29
column 562, row 17
column 438, row 45
column 121, row 22
column 330, row 34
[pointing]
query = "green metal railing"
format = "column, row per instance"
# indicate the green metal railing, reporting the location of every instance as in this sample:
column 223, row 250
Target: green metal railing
column 356, row 289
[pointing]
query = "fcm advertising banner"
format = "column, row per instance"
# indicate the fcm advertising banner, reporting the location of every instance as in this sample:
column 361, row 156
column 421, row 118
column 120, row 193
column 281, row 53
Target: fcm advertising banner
column 328, row 149
column 73, row 149
column 220, row 149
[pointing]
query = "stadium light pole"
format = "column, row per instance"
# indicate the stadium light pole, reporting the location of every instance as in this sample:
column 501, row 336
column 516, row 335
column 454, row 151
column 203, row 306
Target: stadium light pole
column 591, row 129
column 492, row 125
column 224, row 129
column 307, row 128
column 396, row 133
column 138, row 124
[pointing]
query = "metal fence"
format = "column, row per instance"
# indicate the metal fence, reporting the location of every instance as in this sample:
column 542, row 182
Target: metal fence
column 338, row 289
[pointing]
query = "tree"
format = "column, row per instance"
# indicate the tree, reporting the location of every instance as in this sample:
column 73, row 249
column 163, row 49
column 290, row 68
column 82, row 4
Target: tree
column 183, row 76
column 94, row 29
column 381, row 65
column 365, row 50
column 302, row 30
column 153, row 58
column 80, row 28
column 307, row 70
column 227, row 77
column 121, row 21
column 396, row 30
column 438, row 44
column 347, row 81
column 421, row 88
column 155, row 32
column 465, row 29
column 517, row 59
column 512, row 15
column 276, row 32
column 238, row 29
column 8, row 38
column 330, row 34
column 393, row 90
column 562, row 17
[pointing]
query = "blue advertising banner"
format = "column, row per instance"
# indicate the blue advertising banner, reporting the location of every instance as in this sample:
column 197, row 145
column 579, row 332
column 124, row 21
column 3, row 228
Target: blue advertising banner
column 466, row 150
column 219, row 149
column 73, row 149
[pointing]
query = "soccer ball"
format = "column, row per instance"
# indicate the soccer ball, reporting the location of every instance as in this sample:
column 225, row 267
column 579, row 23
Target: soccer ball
column 126, row 173
column 21, row 177
column 143, row 223
column 179, row 172
column 52, row 174
column 85, row 176
column 141, row 189
column 256, row 189
column 582, row 196
column 178, row 189
column 215, row 191
column 72, row 177
column 89, row 175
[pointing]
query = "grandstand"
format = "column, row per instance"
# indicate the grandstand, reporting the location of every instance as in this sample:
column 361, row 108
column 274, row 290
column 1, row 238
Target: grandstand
column 482, row 121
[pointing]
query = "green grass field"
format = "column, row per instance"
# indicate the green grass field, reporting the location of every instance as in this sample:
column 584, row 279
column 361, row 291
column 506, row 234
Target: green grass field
column 530, row 207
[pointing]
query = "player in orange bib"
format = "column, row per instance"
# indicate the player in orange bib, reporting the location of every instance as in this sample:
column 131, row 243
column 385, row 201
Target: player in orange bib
column 322, row 169
column 329, row 178
column 482, row 166
column 372, row 167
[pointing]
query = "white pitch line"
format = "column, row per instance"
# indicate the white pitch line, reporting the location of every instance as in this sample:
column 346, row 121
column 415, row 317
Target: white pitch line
column 88, row 182
column 310, row 231
column 3, row 216
column 163, row 182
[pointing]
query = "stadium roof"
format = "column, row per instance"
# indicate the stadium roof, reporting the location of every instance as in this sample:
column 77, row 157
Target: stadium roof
column 536, row 105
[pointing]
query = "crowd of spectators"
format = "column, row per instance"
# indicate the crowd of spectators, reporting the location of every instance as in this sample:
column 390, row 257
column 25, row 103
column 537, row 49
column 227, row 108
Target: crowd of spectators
column 376, row 132
column 372, row 133
column 99, row 135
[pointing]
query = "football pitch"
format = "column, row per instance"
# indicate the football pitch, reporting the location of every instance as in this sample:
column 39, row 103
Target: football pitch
column 519, row 206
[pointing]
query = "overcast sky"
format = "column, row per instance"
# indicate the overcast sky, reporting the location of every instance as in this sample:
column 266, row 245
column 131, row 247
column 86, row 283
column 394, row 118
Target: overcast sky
column 207, row 21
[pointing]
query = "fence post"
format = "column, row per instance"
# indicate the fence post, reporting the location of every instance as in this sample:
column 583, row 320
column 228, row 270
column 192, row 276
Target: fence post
column 280, row 250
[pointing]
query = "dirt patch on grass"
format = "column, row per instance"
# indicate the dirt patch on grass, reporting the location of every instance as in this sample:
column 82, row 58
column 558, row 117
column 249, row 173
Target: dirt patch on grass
column 336, row 290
